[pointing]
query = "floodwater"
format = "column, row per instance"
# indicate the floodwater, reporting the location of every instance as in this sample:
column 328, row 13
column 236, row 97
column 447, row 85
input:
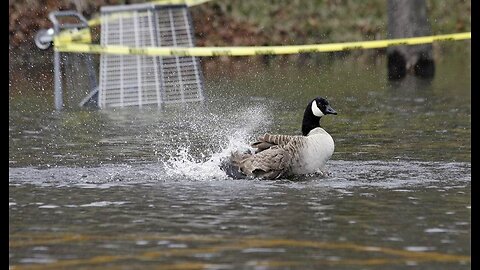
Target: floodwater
column 142, row 188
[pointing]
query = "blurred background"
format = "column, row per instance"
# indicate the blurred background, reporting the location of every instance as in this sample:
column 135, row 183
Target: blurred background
column 250, row 22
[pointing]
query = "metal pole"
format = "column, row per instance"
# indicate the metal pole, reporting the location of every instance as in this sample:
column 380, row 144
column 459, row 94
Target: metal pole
column 57, row 61
column 91, row 72
column 58, row 81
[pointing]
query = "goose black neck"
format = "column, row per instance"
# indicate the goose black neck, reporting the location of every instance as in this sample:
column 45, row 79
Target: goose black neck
column 310, row 121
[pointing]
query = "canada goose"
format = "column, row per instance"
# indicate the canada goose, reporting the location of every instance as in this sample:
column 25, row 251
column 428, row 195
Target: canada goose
column 284, row 155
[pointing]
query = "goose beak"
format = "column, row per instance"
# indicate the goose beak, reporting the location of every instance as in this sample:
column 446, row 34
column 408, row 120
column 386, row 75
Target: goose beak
column 330, row 110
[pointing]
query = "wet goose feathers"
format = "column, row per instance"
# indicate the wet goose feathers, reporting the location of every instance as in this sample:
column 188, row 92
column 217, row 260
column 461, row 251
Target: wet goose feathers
column 283, row 155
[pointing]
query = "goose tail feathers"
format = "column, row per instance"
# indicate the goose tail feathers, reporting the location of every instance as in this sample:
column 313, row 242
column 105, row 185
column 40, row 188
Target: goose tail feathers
column 262, row 166
column 231, row 165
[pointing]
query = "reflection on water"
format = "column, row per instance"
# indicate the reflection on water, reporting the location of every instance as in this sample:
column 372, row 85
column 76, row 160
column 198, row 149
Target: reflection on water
column 141, row 188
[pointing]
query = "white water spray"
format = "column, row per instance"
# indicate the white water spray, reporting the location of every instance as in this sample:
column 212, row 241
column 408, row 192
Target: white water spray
column 181, row 163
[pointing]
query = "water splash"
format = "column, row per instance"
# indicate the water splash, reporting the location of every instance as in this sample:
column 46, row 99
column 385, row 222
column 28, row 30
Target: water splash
column 183, row 163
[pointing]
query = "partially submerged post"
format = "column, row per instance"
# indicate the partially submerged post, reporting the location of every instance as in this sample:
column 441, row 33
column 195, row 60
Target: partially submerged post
column 408, row 18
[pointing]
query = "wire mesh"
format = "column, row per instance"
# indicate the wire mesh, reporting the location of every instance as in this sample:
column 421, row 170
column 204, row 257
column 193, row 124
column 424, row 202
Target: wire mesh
column 138, row 80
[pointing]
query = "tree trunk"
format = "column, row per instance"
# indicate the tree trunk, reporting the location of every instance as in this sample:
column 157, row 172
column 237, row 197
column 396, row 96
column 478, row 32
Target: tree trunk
column 408, row 18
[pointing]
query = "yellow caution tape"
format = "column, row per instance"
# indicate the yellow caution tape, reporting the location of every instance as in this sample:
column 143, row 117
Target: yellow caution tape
column 243, row 51
column 180, row 2
column 66, row 36
column 94, row 22
column 98, row 21
column 111, row 17
column 72, row 36
column 249, row 50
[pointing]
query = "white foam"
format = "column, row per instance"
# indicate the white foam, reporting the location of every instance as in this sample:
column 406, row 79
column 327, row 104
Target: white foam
column 48, row 206
column 102, row 204
column 419, row 248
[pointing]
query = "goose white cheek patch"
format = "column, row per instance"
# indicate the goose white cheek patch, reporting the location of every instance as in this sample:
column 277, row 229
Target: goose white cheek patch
column 315, row 110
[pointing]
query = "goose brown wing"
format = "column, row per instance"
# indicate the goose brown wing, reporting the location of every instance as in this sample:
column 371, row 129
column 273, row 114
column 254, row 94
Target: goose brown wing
column 270, row 164
column 268, row 140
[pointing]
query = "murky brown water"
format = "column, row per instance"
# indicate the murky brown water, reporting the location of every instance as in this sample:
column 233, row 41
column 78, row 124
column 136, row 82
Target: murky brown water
column 141, row 189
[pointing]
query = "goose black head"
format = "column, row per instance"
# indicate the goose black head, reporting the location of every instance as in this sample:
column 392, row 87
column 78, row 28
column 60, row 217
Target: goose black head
column 314, row 111
column 321, row 107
